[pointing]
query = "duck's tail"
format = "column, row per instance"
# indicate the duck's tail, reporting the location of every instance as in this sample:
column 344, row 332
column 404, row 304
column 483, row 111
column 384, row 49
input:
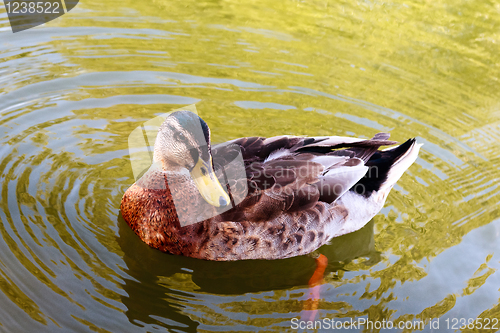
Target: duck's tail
column 386, row 167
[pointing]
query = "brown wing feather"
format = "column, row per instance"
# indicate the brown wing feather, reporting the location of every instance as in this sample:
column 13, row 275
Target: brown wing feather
column 292, row 181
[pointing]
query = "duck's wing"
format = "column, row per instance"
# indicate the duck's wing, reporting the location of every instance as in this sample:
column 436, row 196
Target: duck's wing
column 287, row 174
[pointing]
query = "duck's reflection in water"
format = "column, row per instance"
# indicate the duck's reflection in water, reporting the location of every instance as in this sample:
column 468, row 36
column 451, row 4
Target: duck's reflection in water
column 175, row 292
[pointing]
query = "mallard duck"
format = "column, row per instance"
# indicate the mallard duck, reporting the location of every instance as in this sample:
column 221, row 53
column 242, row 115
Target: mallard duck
column 295, row 195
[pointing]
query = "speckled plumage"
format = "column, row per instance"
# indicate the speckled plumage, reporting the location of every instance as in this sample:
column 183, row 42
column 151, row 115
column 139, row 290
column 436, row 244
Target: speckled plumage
column 272, row 224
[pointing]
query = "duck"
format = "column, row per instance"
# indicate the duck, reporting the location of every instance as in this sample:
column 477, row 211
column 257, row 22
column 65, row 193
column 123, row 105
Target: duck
column 257, row 197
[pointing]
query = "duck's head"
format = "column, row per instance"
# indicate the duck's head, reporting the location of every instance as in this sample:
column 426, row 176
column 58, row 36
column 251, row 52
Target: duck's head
column 183, row 143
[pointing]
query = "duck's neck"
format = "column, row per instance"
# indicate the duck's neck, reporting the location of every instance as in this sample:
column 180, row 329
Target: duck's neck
column 184, row 196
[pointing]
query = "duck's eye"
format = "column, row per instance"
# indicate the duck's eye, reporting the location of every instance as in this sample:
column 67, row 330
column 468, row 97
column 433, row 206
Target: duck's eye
column 203, row 171
column 180, row 137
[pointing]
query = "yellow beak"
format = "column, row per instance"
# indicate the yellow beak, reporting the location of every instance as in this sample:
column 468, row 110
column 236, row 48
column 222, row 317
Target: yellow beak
column 207, row 183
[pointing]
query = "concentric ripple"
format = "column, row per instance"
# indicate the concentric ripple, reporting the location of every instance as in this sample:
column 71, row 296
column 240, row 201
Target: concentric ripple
column 73, row 90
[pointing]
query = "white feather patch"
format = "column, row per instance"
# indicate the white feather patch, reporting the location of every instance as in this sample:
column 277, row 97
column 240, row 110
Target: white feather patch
column 277, row 154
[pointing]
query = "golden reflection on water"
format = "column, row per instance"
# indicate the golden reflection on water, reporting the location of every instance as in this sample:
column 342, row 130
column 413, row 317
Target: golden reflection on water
column 73, row 90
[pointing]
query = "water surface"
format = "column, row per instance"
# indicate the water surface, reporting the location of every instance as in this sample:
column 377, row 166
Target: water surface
column 72, row 91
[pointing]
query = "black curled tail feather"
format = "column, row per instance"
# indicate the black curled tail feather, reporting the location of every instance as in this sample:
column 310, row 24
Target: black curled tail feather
column 380, row 163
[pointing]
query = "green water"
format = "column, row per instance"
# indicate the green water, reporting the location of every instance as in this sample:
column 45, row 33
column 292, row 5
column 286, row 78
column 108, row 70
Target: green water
column 72, row 91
